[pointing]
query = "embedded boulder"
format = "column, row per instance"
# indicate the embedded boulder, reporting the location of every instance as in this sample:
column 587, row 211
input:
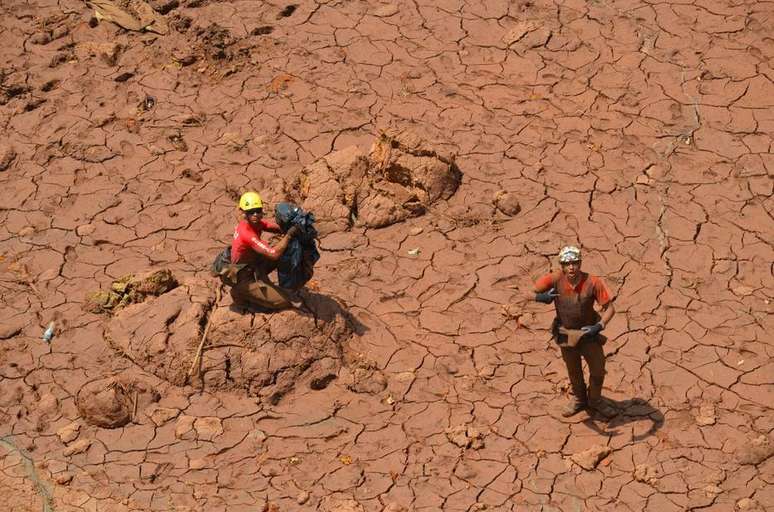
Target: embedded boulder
column 112, row 402
column 401, row 177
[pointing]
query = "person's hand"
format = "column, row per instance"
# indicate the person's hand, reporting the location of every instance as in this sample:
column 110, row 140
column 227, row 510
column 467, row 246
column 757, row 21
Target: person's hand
column 592, row 330
column 546, row 297
column 293, row 231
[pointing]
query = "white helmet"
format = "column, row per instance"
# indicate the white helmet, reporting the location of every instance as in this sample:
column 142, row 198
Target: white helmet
column 569, row 254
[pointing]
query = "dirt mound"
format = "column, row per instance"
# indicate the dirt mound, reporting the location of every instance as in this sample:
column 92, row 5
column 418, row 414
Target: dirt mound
column 113, row 402
column 130, row 290
column 400, row 178
column 264, row 354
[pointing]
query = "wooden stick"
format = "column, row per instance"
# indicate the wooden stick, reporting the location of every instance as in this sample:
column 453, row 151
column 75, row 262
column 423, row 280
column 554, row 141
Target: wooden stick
column 197, row 359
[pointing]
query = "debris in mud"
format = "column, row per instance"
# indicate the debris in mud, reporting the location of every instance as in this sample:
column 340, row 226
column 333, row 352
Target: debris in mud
column 185, row 60
column 215, row 40
column 465, row 436
column 262, row 31
column 401, row 177
column 756, row 451
column 147, row 104
column 706, row 415
column 266, row 355
column 77, row 447
column 287, row 11
column 178, row 142
column 114, row 402
column 646, row 474
column 123, row 77
column 130, row 290
column 69, row 433
column 588, row 459
column 363, row 375
column 164, row 6
column 134, row 15
column 7, row 157
column 11, row 91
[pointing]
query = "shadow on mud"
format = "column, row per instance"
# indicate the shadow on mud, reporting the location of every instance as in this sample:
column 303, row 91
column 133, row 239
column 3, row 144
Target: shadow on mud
column 629, row 411
column 326, row 309
column 322, row 307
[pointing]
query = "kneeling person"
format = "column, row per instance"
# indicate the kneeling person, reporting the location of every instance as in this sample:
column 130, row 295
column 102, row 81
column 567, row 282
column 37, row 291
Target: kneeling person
column 256, row 258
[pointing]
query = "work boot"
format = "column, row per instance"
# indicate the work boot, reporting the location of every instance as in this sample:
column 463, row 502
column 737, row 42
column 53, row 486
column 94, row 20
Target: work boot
column 573, row 407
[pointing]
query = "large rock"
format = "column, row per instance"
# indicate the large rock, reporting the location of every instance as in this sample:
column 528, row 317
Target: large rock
column 111, row 403
column 264, row 354
column 401, row 177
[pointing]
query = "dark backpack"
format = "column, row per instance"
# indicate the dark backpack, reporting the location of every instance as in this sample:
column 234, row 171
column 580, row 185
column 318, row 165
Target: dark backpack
column 296, row 265
column 223, row 268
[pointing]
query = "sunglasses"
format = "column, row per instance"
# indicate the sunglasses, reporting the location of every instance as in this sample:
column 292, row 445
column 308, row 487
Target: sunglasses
column 256, row 211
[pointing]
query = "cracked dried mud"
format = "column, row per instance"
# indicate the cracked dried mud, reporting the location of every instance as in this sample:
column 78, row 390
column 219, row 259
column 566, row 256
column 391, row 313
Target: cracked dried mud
column 449, row 148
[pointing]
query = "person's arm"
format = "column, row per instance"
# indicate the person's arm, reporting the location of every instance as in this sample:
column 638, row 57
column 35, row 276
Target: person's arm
column 271, row 226
column 604, row 298
column 608, row 310
column 273, row 253
column 545, row 290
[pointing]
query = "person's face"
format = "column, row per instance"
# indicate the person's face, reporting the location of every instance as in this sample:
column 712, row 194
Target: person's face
column 254, row 216
column 571, row 269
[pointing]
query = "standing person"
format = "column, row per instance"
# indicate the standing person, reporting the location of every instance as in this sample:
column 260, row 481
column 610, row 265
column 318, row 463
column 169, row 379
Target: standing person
column 577, row 326
column 254, row 259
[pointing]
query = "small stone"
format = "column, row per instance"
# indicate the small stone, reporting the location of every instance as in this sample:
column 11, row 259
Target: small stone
column 302, row 497
column 63, row 478
column 415, row 231
column 642, row 179
column 712, row 490
column 69, row 433
column 85, row 229
column 208, row 428
column 77, row 447
column 26, row 231
column 162, row 415
column 588, row 459
column 197, row 463
column 507, row 202
column 746, row 504
column 646, row 474
column 259, row 436
column 706, row 415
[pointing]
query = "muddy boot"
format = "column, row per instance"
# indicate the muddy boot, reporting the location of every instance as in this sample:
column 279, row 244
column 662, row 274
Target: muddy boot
column 573, row 407
column 596, row 402
column 577, row 401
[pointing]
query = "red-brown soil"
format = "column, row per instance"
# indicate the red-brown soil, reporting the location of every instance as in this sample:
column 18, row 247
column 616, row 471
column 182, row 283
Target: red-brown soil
column 641, row 130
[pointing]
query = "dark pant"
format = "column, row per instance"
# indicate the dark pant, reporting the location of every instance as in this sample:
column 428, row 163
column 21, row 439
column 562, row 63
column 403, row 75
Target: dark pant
column 591, row 350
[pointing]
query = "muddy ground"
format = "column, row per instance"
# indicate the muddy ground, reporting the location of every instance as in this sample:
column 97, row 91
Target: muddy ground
column 641, row 130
